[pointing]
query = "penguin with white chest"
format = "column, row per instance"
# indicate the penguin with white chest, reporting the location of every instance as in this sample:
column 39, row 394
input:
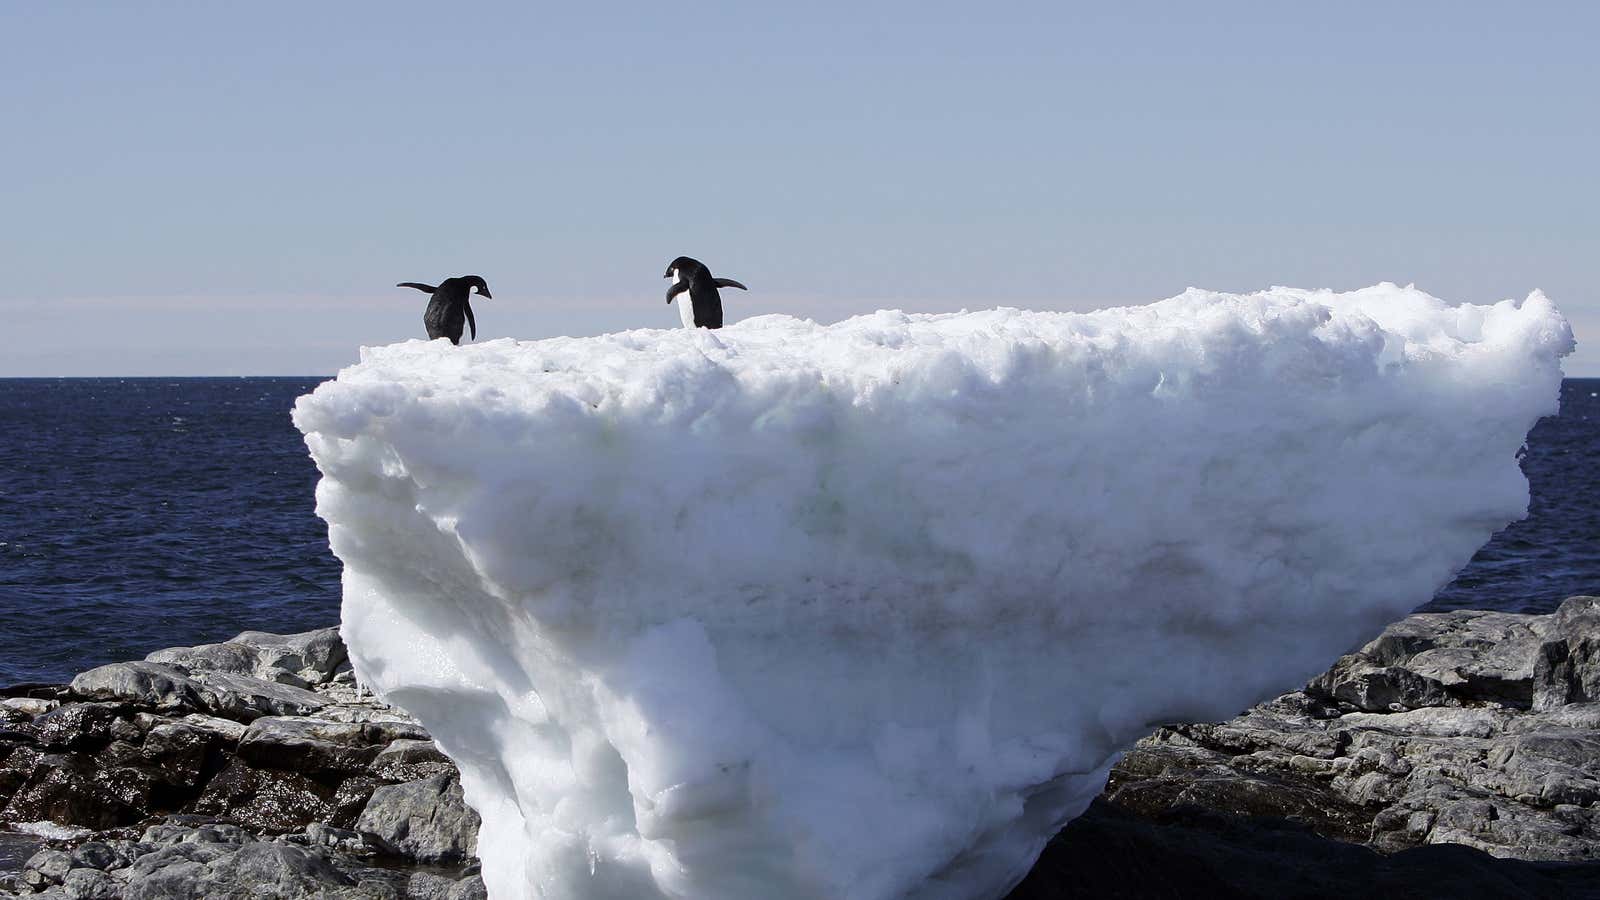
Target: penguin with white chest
column 701, row 305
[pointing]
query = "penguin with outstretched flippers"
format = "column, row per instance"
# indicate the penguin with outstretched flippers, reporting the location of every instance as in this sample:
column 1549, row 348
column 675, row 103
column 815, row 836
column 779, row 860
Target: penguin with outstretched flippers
column 450, row 309
column 702, row 307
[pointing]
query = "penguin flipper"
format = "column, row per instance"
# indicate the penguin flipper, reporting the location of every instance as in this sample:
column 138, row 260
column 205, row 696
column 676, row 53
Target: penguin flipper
column 676, row 289
column 729, row 282
column 471, row 322
column 425, row 288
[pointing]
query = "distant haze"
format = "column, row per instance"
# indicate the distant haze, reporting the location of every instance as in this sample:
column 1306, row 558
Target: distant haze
column 233, row 189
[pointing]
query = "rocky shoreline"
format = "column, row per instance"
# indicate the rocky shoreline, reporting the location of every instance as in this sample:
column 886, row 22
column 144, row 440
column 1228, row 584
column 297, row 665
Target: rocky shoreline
column 1456, row 755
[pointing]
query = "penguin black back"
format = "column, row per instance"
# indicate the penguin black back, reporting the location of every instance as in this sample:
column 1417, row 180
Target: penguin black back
column 450, row 307
column 702, row 308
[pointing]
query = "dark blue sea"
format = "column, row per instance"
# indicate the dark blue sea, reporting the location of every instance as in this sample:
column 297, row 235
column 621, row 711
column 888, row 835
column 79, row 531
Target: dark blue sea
column 142, row 513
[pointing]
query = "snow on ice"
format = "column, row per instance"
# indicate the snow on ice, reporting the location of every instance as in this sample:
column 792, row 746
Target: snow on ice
column 867, row 610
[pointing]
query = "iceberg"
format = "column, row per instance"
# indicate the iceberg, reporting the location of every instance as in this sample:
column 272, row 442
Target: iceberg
column 867, row 610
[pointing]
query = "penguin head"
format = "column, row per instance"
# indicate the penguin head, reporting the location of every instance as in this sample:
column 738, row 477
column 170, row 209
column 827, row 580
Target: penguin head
column 476, row 281
column 684, row 263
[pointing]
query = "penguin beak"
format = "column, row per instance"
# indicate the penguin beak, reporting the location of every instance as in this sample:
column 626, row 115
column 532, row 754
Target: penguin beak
column 668, row 275
column 485, row 292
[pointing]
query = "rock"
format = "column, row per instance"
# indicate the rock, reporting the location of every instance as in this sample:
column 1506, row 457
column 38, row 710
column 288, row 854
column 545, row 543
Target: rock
column 78, row 726
column 313, row 655
column 425, row 820
column 1475, row 754
column 411, row 760
column 469, row 888
column 265, row 799
column 1567, row 669
column 73, row 789
column 243, row 697
column 177, row 751
column 29, row 706
column 146, row 684
column 351, row 798
column 98, row 855
column 1196, row 854
column 1377, row 688
column 342, row 839
column 276, row 869
column 45, row 868
column 308, row 745
column 226, row 730
column 90, row 884
column 300, row 660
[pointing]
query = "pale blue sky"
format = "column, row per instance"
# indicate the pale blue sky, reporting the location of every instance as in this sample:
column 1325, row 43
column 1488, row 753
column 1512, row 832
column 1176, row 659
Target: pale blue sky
column 233, row 188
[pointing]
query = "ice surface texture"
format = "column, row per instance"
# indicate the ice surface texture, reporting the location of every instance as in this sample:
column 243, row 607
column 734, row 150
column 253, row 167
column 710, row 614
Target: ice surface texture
column 867, row 610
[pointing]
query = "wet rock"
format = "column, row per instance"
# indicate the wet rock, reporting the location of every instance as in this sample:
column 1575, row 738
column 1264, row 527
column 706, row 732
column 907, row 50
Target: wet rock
column 469, row 888
column 411, row 760
column 146, row 684
column 426, row 821
column 78, row 726
column 177, row 752
column 351, row 798
column 265, row 799
column 72, row 789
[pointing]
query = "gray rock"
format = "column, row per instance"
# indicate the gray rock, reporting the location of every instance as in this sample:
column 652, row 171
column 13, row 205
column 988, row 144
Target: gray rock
column 29, row 706
column 45, row 868
column 226, row 730
column 1443, row 738
column 1567, row 669
column 143, row 683
column 243, row 697
column 98, row 855
column 275, row 869
column 308, row 745
column 426, row 821
column 313, row 655
column 1375, row 688
column 90, row 884
column 411, row 760
column 299, row 660
column 343, row 840
column 469, row 888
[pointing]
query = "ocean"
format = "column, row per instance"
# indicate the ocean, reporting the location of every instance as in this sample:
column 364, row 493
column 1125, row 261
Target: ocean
column 140, row 513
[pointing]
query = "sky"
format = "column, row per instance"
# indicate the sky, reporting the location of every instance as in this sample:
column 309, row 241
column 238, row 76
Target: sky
column 234, row 189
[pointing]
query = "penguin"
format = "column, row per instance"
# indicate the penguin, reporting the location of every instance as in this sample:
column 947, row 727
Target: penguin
column 449, row 305
column 702, row 308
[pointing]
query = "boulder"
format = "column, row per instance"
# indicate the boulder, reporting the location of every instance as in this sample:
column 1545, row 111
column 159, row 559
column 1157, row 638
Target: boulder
column 1567, row 668
column 300, row 660
column 425, row 820
column 266, row 800
column 308, row 745
column 411, row 760
column 147, row 684
column 247, row 698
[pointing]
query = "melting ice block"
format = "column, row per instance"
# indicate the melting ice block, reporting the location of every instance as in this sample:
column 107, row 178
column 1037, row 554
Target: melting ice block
column 867, row 610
